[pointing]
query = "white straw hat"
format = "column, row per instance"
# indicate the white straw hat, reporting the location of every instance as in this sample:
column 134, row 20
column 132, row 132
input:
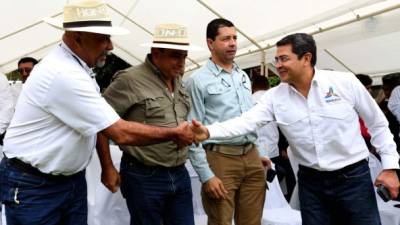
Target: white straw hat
column 87, row 16
column 171, row 36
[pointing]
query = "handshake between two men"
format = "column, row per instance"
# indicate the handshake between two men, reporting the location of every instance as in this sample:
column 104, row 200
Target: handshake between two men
column 183, row 135
column 191, row 133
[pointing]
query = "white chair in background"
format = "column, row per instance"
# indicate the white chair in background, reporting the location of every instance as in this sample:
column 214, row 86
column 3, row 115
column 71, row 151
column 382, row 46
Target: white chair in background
column 277, row 210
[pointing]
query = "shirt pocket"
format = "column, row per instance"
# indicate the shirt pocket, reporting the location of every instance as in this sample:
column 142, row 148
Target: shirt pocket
column 154, row 108
column 287, row 117
column 217, row 89
column 337, row 112
column 182, row 106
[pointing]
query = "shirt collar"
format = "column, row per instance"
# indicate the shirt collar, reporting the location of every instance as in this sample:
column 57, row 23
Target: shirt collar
column 150, row 64
column 217, row 70
column 79, row 60
column 317, row 77
column 155, row 70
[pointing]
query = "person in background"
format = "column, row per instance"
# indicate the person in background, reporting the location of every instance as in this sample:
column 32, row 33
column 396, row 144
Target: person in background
column 389, row 83
column 273, row 141
column 25, row 67
column 367, row 82
column 268, row 135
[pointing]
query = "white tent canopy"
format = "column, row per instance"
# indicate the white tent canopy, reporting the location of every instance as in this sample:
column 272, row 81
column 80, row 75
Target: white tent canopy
column 361, row 36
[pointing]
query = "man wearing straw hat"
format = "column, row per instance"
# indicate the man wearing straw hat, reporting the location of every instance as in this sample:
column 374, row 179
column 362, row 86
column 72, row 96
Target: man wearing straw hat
column 59, row 113
column 154, row 180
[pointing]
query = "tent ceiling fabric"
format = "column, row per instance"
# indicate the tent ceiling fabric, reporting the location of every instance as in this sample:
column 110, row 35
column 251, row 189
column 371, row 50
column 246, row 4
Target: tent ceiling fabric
column 366, row 46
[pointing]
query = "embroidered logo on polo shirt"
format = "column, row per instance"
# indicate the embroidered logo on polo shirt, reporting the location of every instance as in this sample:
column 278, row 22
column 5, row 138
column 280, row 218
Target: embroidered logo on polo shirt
column 331, row 96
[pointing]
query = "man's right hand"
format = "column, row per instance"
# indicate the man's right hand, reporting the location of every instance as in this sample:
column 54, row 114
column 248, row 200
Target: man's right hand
column 184, row 135
column 215, row 189
column 200, row 131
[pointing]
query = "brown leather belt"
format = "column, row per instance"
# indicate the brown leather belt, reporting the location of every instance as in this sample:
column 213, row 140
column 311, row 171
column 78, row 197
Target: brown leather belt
column 230, row 149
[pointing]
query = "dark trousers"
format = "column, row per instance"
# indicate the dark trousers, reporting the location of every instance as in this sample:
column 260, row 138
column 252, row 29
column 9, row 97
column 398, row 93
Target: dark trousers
column 42, row 200
column 156, row 195
column 341, row 197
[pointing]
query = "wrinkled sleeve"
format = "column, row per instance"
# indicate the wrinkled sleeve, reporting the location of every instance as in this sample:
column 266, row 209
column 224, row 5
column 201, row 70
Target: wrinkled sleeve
column 197, row 155
column 256, row 117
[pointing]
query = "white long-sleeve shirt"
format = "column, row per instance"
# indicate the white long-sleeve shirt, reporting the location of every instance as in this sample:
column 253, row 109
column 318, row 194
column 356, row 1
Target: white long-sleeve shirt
column 394, row 103
column 323, row 130
column 268, row 135
column 6, row 104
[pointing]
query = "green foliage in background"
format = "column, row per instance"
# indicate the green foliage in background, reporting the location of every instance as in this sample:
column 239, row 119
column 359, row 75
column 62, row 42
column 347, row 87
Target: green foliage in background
column 14, row 75
column 273, row 81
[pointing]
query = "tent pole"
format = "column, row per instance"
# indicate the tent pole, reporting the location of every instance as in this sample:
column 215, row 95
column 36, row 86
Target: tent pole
column 321, row 30
column 339, row 61
column 127, row 52
column 24, row 28
column 29, row 53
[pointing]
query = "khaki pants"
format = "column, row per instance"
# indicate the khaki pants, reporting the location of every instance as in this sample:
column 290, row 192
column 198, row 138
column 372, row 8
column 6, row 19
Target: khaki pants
column 244, row 178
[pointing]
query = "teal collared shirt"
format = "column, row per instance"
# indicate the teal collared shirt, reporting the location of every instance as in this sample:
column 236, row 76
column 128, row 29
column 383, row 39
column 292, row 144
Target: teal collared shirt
column 217, row 96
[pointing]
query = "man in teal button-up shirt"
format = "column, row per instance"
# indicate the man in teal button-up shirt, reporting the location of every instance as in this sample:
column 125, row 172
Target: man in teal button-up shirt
column 220, row 90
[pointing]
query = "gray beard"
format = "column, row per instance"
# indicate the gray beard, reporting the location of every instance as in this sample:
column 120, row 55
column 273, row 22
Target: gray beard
column 100, row 63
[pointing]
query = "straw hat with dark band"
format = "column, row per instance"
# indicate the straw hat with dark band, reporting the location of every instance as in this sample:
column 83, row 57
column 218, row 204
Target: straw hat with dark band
column 87, row 16
column 171, row 36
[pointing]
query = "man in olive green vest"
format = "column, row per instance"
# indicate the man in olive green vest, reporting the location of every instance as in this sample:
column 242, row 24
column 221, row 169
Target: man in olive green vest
column 154, row 180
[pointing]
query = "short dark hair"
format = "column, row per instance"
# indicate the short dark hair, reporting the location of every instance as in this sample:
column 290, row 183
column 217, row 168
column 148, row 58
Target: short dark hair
column 28, row 59
column 301, row 44
column 365, row 79
column 214, row 25
column 260, row 82
column 391, row 80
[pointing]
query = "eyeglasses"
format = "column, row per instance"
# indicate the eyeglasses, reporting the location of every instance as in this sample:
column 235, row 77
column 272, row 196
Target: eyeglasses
column 281, row 59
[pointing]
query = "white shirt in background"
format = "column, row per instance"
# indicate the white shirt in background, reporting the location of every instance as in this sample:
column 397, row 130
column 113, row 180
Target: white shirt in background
column 6, row 103
column 16, row 88
column 268, row 135
column 394, row 103
column 323, row 130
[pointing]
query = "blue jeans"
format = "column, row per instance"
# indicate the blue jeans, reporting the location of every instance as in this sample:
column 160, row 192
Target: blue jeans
column 32, row 199
column 344, row 196
column 156, row 195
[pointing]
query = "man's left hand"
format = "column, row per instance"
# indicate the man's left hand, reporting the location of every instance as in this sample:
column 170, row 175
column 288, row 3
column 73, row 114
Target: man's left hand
column 111, row 179
column 390, row 180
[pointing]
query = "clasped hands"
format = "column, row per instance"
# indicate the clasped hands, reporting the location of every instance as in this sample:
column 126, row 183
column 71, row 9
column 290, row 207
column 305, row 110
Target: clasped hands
column 185, row 134
column 189, row 133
